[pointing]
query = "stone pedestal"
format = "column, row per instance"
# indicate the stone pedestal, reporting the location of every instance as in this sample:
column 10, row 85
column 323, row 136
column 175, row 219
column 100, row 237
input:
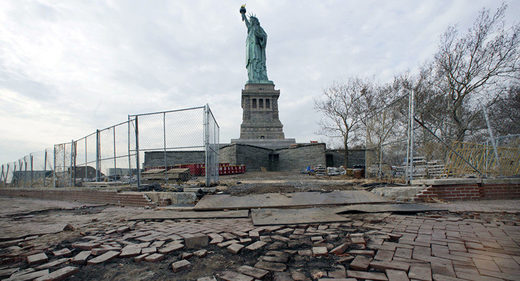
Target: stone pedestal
column 260, row 123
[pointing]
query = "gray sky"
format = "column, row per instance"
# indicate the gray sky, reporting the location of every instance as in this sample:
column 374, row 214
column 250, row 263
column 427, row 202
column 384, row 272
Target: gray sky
column 70, row 67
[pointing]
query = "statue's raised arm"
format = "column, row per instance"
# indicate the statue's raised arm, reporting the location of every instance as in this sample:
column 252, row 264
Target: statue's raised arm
column 255, row 49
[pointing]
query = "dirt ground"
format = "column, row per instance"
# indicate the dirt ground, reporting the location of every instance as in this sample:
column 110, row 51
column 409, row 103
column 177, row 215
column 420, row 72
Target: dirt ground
column 30, row 226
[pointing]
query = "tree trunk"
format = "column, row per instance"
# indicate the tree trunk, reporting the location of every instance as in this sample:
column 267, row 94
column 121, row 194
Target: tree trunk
column 345, row 139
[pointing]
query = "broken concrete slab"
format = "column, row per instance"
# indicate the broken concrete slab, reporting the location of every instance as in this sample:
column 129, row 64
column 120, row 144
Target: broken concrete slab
column 383, row 208
column 297, row 199
column 295, row 216
column 169, row 215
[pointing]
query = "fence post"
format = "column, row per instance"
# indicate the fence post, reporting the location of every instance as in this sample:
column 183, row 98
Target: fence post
column 115, row 154
column 164, row 150
column 129, row 154
column 54, row 168
column 45, row 167
column 206, row 144
column 98, row 162
column 72, row 165
column 412, row 134
column 2, row 175
column 137, row 151
column 32, row 169
column 25, row 172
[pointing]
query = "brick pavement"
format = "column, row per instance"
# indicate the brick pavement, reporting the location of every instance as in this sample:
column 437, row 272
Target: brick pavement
column 371, row 246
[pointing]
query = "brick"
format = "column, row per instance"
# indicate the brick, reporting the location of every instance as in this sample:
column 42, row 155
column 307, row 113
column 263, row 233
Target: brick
column 403, row 253
column 384, row 255
column 52, row 263
column 233, row 276
column 171, row 248
column 29, row 275
column 420, row 272
column 86, row 245
column 201, row 253
column 319, row 251
column 81, row 258
column 140, row 257
column 196, row 241
column 282, row 276
column 104, row 257
column 37, row 258
column 367, row 275
column 443, row 269
column 62, row 252
column 340, row 249
column 253, row 271
column 180, row 265
column 130, row 251
column 235, row 248
column 8, row 271
column 485, row 265
column 360, row 263
column 154, row 257
column 148, row 250
column 362, row 252
column 338, row 272
column 440, row 277
column 207, row 279
column 59, row 274
column 382, row 265
column 396, row 275
column 256, row 245
column 271, row 266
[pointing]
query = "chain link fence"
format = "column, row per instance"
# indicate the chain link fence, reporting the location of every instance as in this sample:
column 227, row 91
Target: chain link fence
column 395, row 133
column 120, row 154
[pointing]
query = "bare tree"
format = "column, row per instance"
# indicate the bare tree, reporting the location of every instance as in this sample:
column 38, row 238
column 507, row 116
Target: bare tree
column 473, row 68
column 505, row 113
column 342, row 112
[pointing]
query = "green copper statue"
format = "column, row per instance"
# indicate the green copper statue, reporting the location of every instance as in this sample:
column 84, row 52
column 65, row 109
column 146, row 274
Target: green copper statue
column 255, row 50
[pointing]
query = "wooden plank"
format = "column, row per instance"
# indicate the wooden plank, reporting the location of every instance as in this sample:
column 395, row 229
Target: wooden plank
column 394, row 208
column 278, row 200
column 295, row 216
column 167, row 215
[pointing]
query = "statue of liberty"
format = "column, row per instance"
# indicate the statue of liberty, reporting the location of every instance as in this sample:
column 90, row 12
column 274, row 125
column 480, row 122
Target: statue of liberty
column 255, row 50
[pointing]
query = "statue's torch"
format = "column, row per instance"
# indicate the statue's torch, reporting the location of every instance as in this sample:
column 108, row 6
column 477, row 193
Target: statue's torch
column 243, row 10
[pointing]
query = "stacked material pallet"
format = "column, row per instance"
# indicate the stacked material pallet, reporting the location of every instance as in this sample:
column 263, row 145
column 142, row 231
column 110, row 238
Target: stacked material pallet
column 174, row 174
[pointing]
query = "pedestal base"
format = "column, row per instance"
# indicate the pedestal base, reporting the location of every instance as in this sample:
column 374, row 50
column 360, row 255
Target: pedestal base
column 267, row 143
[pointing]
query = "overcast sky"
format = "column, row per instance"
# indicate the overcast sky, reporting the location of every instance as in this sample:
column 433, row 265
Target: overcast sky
column 70, row 67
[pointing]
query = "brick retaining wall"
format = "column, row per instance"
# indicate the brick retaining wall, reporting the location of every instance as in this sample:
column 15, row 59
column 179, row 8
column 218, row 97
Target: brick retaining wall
column 88, row 196
column 478, row 189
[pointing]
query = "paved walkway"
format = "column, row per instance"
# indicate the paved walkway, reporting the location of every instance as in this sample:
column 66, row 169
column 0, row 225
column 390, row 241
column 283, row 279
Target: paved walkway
column 431, row 246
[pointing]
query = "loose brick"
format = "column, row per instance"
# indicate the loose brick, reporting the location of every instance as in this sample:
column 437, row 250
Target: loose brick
column 255, row 246
column 81, row 258
column 86, row 245
column 62, row 252
column 196, row 241
column 367, row 275
column 180, row 265
column 130, row 251
column 29, row 275
column 201, row 253
column 252, row 271
column 319, row 251
column 154, row 257
column 357, row 240
column 340, row 249
column 53, row 263
column 382, row 265
column 235, row 248
column 207, row 279
column 282, row 276
column 234, row 276
column 360, row 263
column 271, row 266
column 59, row 274
column 396, row 275
column 170, row 248
column 37, row 258
column 149, row 250
column 104, row 257
column 141, row 257
column 362, row 252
